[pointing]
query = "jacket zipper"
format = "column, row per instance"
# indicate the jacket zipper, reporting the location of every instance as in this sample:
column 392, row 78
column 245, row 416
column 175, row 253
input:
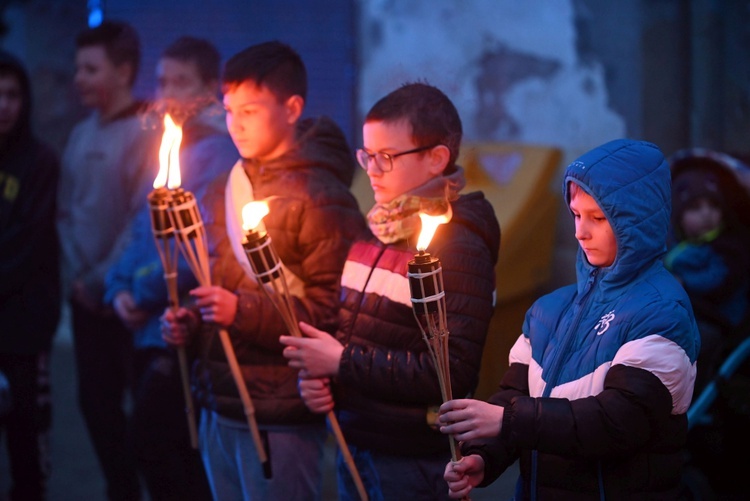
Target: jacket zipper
column 581, row 303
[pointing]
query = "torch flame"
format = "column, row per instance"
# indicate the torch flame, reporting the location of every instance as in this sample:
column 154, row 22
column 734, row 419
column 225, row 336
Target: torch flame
column 252, row 213
column 169, row 155
column 430, row 225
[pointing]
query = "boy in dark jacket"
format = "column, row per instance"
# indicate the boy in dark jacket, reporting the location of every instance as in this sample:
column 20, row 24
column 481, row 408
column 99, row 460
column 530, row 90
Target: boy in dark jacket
column 595, row 400
column 29, row 283
column 378, row 366
column 303, row 168
column 188, row 82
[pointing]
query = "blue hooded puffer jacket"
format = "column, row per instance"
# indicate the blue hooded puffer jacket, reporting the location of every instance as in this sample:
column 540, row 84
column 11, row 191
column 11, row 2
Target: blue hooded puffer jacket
column 601, row 378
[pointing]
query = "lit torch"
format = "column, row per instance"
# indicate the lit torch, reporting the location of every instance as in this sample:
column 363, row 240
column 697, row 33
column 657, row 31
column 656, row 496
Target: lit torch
column 428, row 304
column 163, row 231
column 269, row 273
column 189, row 235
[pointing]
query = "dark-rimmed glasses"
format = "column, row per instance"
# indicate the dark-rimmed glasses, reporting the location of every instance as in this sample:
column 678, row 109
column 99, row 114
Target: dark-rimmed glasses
column 383, row 160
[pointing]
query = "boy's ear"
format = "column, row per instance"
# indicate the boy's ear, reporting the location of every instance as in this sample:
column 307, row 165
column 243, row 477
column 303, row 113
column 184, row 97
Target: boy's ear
column 294, row 106
column 439, row 156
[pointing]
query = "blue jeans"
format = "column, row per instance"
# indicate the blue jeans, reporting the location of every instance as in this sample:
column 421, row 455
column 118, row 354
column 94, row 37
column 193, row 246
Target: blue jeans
column 235, row 472
column 388, row 477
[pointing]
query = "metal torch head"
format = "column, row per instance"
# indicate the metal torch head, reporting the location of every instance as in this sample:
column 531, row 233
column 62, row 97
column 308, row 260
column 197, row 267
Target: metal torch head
column 161, row 224
column 184, row 212
column 425, row 275
column 426, row 282
column 262, row 256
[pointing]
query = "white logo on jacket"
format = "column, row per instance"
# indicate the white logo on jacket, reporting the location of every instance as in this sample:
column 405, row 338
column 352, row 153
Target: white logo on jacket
column 603, row 324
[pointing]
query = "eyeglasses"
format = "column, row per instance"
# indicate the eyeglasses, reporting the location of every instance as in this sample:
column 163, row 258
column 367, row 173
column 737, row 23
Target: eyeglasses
column 383, row 160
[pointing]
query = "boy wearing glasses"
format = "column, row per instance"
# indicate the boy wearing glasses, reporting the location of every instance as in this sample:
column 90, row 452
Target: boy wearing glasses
column 303, row 168
column 377, row 368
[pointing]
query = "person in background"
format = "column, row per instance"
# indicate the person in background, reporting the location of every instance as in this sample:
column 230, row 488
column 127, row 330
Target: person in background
column 188, row 84
column 30, row 296
column 378, row 368
column 303, row 168
column 709, row 254
column 594, row 403
column 710, row 258
column 107, row 171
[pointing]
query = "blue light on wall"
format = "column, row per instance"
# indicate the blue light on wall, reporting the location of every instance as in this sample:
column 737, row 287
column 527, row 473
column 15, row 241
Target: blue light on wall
column 96, row 14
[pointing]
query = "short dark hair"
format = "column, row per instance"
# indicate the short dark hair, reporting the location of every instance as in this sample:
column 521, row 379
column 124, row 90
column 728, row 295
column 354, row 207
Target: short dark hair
column 432, row 115
column 274, row 65
column 198, row 50
column 120, row 42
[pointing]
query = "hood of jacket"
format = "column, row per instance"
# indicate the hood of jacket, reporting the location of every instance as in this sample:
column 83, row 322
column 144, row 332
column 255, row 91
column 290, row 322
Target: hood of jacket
column 22, row 130
column 630, row 180
column 320, row 144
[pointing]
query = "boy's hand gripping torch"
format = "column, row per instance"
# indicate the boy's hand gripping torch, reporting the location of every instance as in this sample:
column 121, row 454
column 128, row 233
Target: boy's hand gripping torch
column 268, row 271
column 190, row 237
column 428, row 304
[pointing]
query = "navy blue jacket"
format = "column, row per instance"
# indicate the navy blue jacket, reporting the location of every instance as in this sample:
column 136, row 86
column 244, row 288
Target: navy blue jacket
column 206, row 152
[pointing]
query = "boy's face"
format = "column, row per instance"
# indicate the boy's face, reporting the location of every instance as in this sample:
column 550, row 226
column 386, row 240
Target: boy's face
column 699, row 217
column 593, row 230
column 261, row 127
column 409, row 171
column 180, row 85
column 11, row 102
column 97, row 79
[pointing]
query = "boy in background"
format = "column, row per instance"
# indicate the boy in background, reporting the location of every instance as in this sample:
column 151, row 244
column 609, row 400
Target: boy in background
column 188, row 83
column 106, row 173
column 29, row 284
column 303, row 168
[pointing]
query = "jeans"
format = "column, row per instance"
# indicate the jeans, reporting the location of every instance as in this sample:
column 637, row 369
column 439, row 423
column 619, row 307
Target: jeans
column 235, row 472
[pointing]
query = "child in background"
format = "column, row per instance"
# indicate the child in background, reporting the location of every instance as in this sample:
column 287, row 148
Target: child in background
column 711, row 259
column 188, row 83
column 105, row 175
column 29, row 285
column 594, row 403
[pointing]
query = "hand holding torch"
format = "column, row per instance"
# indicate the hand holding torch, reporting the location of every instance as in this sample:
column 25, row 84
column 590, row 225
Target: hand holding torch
column 190, row 237
column 163, row 231
column 425, row 274
column 267, row 268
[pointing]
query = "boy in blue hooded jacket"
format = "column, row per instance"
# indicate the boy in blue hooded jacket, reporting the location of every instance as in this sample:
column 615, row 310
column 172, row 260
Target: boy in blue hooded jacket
column 188, row 83
column 594, row 403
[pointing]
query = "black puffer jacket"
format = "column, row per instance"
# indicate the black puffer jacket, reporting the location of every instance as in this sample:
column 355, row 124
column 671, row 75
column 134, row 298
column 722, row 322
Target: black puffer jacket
column 387, row 380
column 312, row 222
